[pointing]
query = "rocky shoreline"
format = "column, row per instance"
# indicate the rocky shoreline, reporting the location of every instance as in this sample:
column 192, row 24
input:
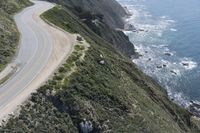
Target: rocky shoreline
column 194, row 106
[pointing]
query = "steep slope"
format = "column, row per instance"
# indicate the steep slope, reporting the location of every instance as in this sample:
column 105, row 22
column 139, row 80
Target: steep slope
column 110, row 9
column 102, row 17
column 105, row 92
column 9, row 36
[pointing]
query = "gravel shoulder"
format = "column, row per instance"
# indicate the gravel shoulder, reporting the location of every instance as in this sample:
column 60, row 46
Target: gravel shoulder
column 35, row 62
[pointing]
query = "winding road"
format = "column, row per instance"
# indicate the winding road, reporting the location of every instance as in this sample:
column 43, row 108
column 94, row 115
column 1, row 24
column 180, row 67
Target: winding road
column 42, row 50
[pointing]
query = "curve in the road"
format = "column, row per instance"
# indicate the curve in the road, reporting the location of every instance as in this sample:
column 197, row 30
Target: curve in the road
column 42, row 49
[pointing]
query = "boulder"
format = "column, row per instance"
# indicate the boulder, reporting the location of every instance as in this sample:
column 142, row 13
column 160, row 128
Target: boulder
column 86, row 126
column 79, row 38
column 130, row 27
column 168, row 54
column 102, row 62
column 172, row 71
column 159, row 67
column 185, row 64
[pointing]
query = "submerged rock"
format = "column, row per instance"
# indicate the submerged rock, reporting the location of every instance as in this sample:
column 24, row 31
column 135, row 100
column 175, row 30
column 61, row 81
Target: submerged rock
column 164, row 65
column 141, row 30
column 127, row 11
column 130, row 27
column 194, row 108
column 168, row 54
column 185, row 64
column 159, row 67
column 172, row 71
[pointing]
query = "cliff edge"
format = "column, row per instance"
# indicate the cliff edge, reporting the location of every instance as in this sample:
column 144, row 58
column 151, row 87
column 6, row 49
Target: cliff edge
column 102, row 17
column 98, row 89
column 111, row 10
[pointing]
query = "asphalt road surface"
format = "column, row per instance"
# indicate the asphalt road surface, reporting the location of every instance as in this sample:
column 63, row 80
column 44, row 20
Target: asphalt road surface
column 42, row 49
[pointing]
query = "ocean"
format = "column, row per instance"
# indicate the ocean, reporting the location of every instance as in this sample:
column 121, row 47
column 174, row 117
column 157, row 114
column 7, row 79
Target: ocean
column 167, row 37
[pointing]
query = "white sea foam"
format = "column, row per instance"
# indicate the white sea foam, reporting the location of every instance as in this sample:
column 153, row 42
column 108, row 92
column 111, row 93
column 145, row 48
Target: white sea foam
column 159, row 34
column 160, row 46
column 165, row 69
column 172, row 29
column 127, row 32
column 170, row 21
column 179, row 97
column 163, row 17
column 188, row 64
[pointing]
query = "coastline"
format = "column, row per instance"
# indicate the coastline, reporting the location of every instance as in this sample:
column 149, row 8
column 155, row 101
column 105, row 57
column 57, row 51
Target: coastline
column 192, row 106
column 107, row 91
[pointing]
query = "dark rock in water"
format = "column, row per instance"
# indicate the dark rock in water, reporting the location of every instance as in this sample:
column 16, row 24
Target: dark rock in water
column 172, row 71
column 194, row 108
column 149, row 59
column 135, row 56
column 185, row 64
column 195, row 104
column 159, row 67
column 164, row 65
column 127, row 11
column 146, row 51
column 141, row 30
column 168, row 54
column 140, row 55
column 129, row 27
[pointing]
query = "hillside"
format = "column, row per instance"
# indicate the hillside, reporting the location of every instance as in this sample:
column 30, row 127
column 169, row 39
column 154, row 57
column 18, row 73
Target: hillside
column 104, row 92
column 9, row 36
column 107, row 8
column 102, row 17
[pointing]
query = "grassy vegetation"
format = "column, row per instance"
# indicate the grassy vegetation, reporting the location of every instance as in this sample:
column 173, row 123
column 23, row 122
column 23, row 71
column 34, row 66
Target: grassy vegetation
column 115, row 96
column 9, row 35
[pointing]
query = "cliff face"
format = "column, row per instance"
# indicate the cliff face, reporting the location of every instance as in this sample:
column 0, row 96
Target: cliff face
column 117, row 38
column 105, row 93
column 102, row 17
column 110, row 9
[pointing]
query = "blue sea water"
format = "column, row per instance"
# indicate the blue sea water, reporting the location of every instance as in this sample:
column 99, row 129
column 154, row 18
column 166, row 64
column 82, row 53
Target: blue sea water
column 169, row 44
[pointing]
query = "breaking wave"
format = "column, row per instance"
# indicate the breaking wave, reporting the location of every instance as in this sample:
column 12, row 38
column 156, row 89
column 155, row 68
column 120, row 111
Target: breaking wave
column 156, row 59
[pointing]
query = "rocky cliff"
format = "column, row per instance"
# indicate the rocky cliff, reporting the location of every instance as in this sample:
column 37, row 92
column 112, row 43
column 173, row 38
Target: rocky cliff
column 104, row 92
column 102, row 17
column 111, row 10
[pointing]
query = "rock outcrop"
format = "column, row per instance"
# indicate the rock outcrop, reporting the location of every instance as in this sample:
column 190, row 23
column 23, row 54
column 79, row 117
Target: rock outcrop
column 102, row 17
column 112, row 11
